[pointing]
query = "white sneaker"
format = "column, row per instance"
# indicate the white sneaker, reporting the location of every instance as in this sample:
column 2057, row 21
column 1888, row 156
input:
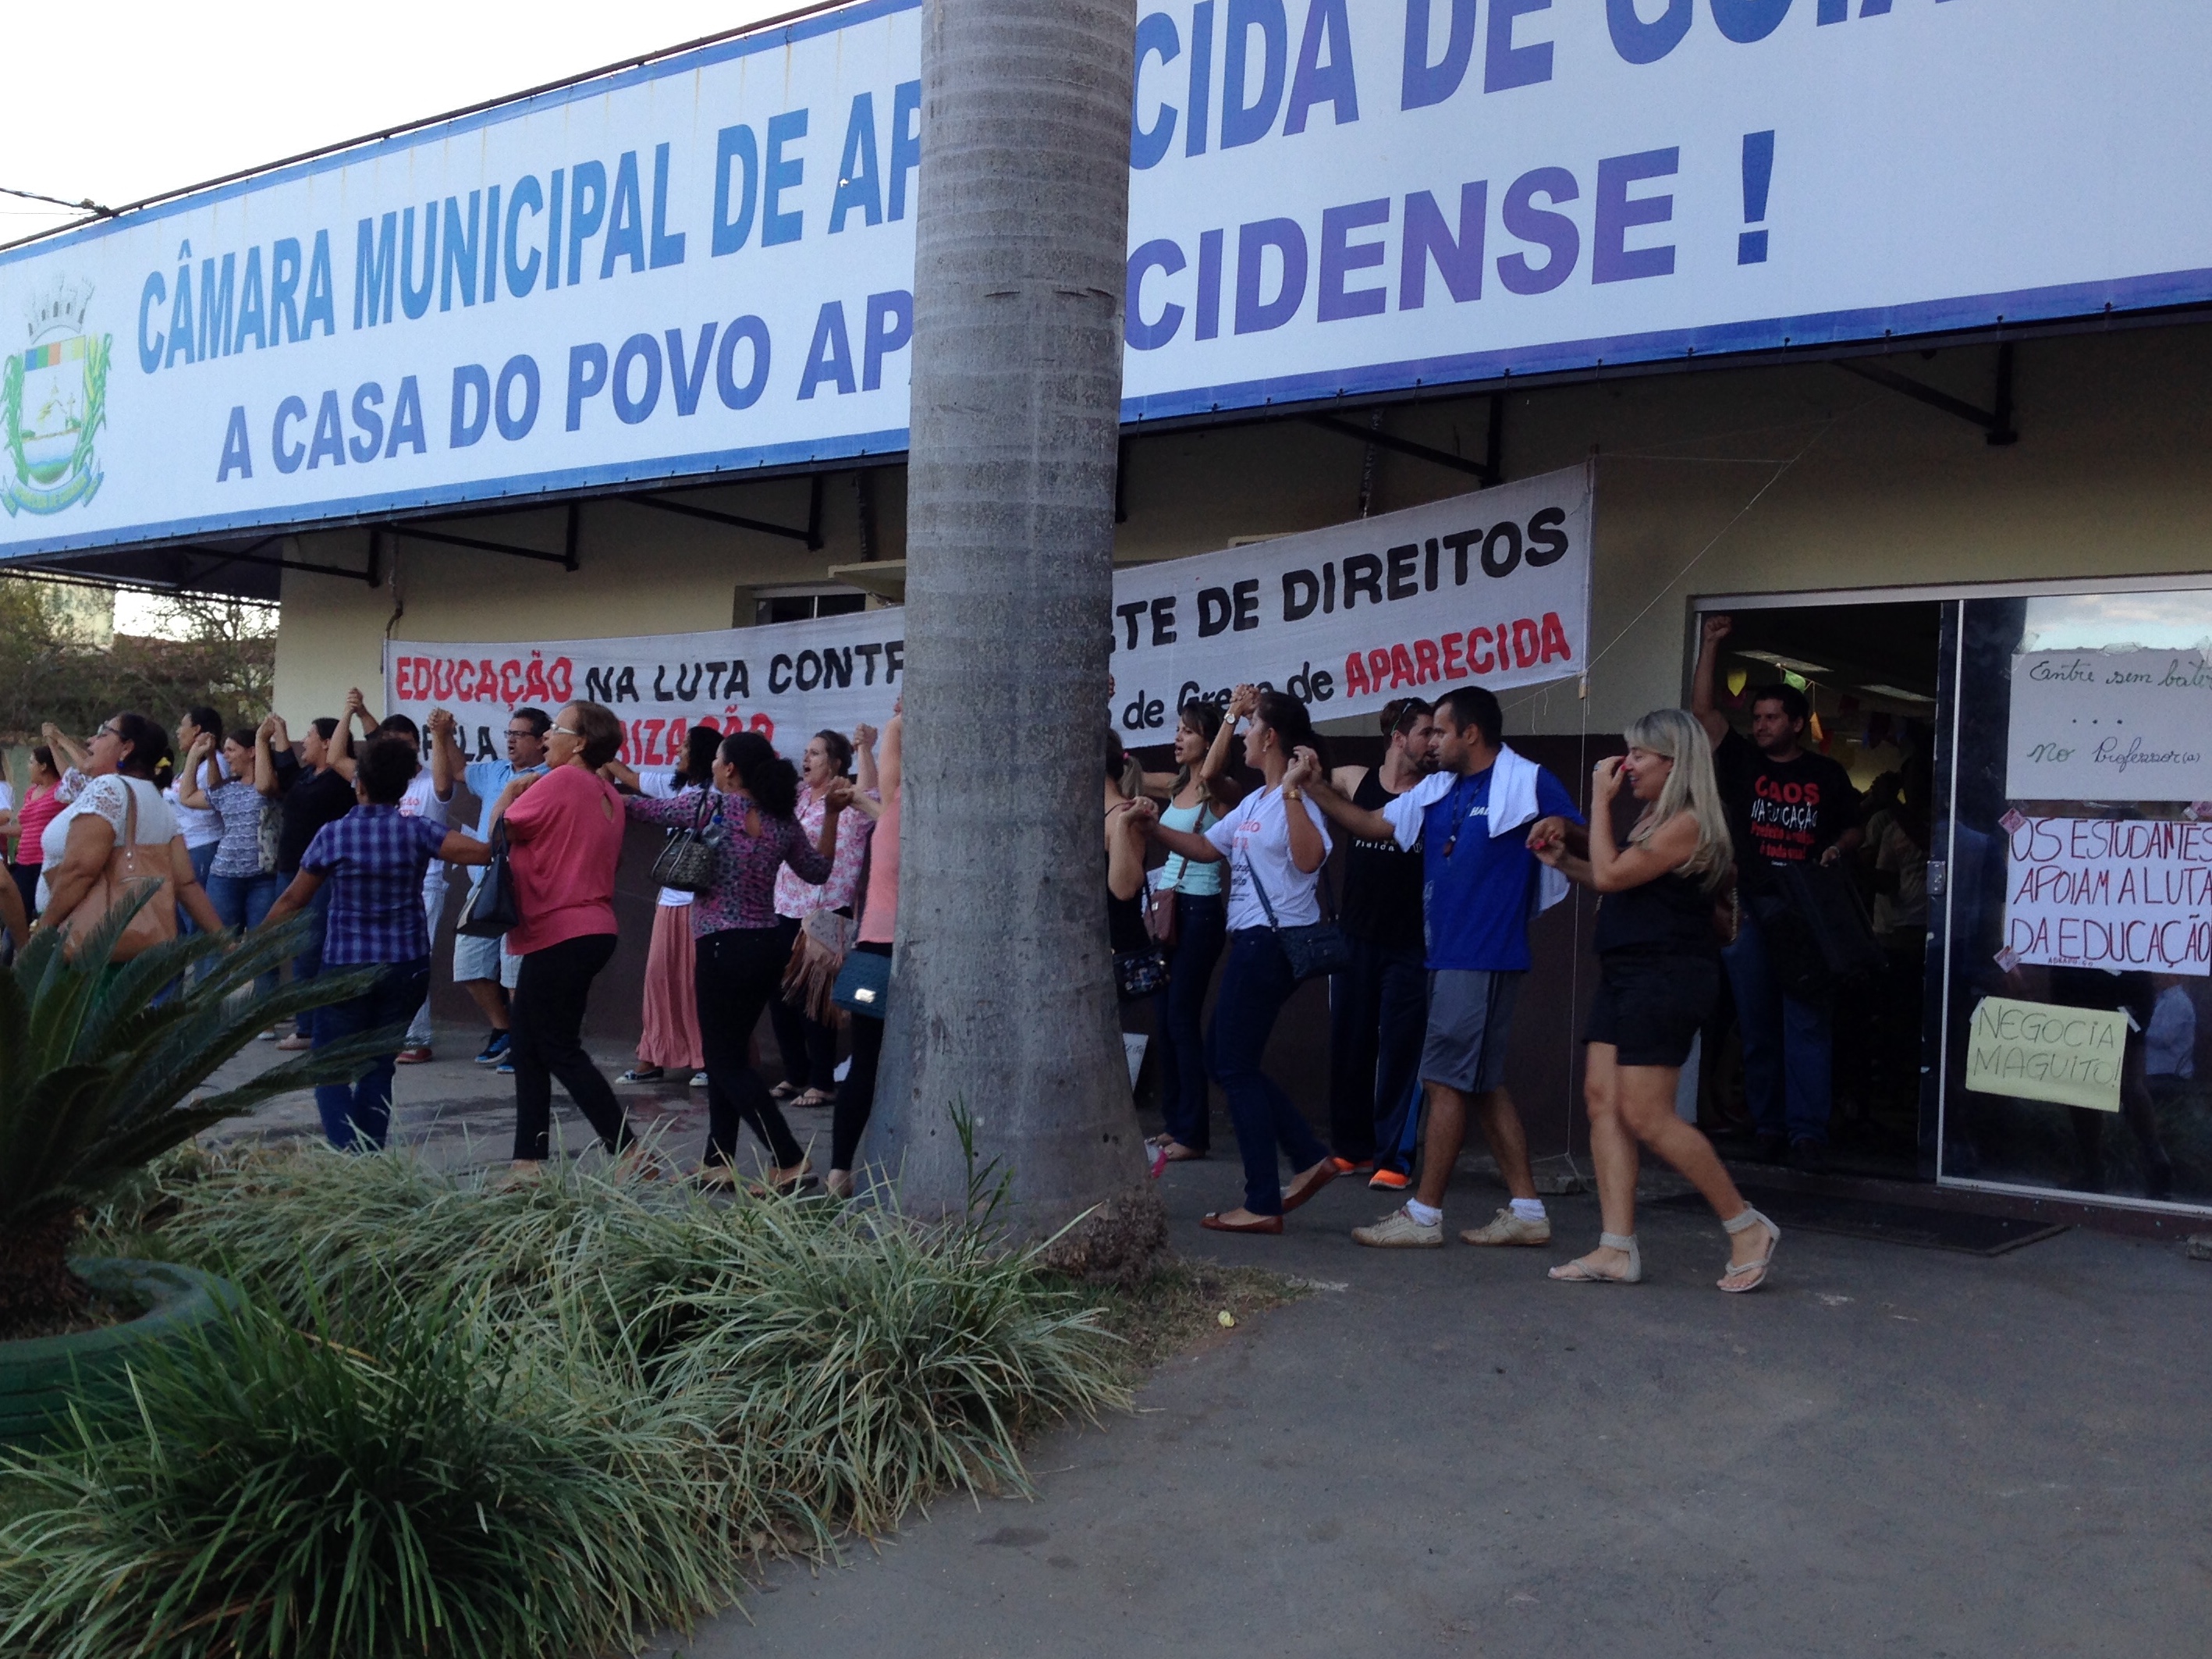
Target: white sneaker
column 698, row 1080
column 1507, row 1228
column 1398, row 1231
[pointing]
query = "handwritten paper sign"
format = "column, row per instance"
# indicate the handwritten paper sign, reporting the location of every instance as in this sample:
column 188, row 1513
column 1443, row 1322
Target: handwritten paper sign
column 2115, row 893
column 2110, row 726
column 2037, row 1051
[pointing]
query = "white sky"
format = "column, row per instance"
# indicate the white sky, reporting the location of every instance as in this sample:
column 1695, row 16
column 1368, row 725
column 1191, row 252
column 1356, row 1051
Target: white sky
column 145, row 98
column 130, row 98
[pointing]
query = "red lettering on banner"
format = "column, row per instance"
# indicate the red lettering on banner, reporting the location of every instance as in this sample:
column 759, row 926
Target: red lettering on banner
column 764, row 725
column 1555, row 638
column 653, row 731
column 561, row 679
column 1526, row 640
column 1378, row 664
column 1355, row 676
column 1425, row 653
column 510, row 680
column 533, row 680
column 1454, row 668
column 1401, row 668
column 1485, row 662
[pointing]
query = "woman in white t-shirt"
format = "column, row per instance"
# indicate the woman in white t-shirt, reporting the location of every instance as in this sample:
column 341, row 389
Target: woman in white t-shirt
column 123, row 765
column 670, row 1039
column 1275, row 842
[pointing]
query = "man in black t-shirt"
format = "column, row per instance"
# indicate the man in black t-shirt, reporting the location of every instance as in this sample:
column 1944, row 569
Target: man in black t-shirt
column 1785, row 806
column 1378, row 1006
column 314, row 793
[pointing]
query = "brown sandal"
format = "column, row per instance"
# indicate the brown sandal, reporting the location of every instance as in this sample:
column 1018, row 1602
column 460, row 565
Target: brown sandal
column 1216, row 1222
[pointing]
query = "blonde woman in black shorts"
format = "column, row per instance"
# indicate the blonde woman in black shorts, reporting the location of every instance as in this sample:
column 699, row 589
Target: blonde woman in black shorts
column 1659, row 977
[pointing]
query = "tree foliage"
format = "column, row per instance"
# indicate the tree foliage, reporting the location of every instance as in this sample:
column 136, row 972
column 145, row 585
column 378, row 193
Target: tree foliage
column 222, row 654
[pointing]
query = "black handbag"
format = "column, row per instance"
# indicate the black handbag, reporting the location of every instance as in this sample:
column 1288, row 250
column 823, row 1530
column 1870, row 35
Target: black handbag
column 686, row 864
column 1142, row 972
column 491, row 909
column 1315, row 948
column 1817, row 934
column 864, row 984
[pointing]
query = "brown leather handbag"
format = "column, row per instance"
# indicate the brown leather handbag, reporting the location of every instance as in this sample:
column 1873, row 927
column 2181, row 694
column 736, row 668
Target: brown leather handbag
column 131, row 869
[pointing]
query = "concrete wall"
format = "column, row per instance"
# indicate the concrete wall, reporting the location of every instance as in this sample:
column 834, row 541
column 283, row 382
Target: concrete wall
column 2109, row 476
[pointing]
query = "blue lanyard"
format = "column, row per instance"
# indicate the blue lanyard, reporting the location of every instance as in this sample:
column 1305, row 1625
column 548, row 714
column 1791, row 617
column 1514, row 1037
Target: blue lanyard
column 1457, row 816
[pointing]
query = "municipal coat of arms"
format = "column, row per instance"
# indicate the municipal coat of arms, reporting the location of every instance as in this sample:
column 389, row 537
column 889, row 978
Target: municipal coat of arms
column 53, row 402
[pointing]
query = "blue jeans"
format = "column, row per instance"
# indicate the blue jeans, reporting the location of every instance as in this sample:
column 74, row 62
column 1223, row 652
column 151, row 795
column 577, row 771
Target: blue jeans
column 202, row 857
column 1200, row 930
column 1255, row 986
column 357, row 1114
column 242, row 901
column 1378, row 1013
column 308, row 963
column 1789, row 1048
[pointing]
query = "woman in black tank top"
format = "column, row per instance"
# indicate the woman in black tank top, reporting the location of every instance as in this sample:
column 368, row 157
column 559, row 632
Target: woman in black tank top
column 1659, row 977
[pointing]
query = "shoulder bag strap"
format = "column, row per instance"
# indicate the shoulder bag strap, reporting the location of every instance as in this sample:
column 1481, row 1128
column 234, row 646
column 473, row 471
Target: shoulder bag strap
column 1261, row 888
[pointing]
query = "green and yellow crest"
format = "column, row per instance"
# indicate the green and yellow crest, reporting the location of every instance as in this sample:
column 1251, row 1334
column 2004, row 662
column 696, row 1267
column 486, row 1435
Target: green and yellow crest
column 53, row 402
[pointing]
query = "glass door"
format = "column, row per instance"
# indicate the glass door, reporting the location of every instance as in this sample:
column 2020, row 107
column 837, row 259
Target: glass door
column 2069, row 1006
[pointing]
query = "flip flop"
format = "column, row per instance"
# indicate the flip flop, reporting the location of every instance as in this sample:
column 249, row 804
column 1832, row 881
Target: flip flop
column 1266, row 1223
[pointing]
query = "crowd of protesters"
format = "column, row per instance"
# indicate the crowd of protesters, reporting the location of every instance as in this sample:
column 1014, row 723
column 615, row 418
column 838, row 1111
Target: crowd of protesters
column 1217, row 892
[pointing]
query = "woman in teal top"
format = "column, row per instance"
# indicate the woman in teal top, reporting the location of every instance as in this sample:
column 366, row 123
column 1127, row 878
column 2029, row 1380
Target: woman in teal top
column 1195, row 797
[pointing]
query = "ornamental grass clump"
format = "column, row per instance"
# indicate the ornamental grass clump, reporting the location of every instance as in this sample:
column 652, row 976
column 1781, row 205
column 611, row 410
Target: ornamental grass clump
column 278, row 1491
column 601, row 1396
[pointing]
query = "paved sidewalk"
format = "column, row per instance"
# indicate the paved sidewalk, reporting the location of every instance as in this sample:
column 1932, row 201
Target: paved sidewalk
column 457, row 1112
column 1889, row 1451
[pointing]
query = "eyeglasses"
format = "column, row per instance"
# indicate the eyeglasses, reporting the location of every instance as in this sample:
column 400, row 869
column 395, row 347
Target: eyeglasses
column 564, row 731
column 524, row 732
column 108, row 731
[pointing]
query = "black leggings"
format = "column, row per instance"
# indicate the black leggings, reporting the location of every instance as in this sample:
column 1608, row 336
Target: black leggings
column 736, row 973
column 810, row 1048
column 551, row 989
column 856, row 1095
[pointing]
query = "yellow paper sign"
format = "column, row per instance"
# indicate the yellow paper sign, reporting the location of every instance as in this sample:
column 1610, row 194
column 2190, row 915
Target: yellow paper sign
column 2037, row 1051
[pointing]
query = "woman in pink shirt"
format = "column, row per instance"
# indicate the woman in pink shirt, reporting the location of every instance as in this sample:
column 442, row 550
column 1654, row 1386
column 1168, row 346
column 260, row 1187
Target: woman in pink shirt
column 564, row 831
column 41, row 800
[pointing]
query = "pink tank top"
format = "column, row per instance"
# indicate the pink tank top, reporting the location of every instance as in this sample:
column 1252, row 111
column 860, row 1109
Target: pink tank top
column 879, row 915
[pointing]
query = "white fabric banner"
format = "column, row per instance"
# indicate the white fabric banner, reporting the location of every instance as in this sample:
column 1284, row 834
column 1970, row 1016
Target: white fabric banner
column 1488, row 589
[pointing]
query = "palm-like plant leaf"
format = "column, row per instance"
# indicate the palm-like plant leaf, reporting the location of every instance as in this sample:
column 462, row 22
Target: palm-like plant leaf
column 103, row 1067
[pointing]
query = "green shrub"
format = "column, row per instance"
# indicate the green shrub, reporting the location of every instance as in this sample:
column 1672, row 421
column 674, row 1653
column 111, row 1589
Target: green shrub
column 477, row 1420
column 281, row 1492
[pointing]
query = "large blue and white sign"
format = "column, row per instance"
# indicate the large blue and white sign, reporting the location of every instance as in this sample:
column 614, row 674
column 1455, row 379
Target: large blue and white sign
column 704, row 264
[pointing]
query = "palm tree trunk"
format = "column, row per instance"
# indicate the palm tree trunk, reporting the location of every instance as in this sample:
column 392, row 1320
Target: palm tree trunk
column 1002, row 1000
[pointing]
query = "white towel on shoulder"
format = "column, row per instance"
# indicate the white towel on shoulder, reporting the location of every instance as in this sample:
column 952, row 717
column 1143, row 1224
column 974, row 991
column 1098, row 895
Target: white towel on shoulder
column 1513, row 809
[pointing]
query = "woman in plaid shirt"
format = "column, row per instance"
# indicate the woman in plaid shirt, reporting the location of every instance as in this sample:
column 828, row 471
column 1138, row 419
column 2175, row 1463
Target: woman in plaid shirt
column 374, row 858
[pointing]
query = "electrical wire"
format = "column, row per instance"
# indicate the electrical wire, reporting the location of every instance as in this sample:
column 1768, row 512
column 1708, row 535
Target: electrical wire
column 86, row 206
